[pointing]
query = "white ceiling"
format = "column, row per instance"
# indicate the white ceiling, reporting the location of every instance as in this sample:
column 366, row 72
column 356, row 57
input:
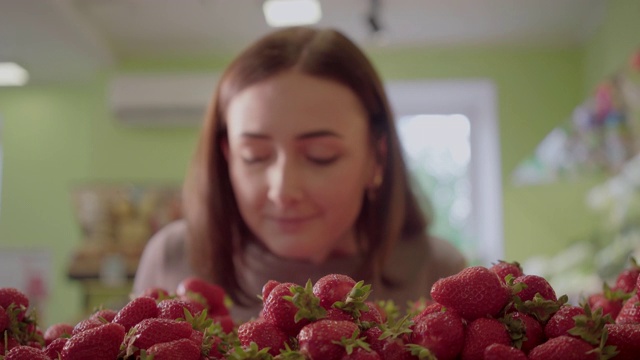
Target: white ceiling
column 69, row 40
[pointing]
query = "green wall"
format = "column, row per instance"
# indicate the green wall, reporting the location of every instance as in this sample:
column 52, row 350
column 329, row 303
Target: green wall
column 59, row 135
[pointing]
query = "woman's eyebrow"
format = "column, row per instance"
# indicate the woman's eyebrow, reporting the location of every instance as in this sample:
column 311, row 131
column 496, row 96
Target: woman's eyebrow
column 253, row 135
column 318, row 133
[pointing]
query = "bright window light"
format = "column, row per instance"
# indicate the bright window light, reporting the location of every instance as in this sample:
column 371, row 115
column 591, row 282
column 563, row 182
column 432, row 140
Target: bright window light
column 279, row 13
column 12, row 74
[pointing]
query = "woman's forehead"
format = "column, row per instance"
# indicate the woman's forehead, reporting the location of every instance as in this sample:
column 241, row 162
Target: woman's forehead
column 298, row 102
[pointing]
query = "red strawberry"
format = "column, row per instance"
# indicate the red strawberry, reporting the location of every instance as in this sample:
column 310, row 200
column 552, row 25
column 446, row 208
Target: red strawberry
column 533, row 333
column 175, row 309
column 562, row 321
column 316, row 340
column 608, row 305
column 16, row 297
column 57, row 331
column 100, row 343
column 86, row 324
column 431, row 308
column 373, row 315
column 503, row 269
column 535, row 284
column 473, row 292
column 282, row 312
column 481, row 333
column 626, row 339
column 10, row 343
column 212, row 294
column 388, row 347
column 338, row 314
column 106, row 314
column 226, row 321
column 153, row 331
column 395, row 349
column 503, row 352
column 441, row 332
column 4, row 319
column 362, row 354
column 264, row 334
column 564, row 348
column 333, row 287
column 135, row 311
column 627, row 279
column 54, row 349
column 182, row 349
column 630, row 312
column 24, row 352
column 156, row 293
column 267, row 287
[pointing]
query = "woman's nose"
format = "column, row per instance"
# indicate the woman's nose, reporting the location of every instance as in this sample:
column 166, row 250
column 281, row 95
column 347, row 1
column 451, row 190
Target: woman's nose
column 285, row 185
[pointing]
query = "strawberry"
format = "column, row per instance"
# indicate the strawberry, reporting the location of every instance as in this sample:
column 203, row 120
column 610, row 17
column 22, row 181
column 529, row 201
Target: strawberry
column 16, row 297
column 389, row 347
column 503, row 269
column 630, row 312
column 100, row 343
column 135, row 311
column 338, row 314
column 225, row 321
column 316, row 340
column 264, row 334
column 564, row 348
column 442, row 333
column 627, row 279
column 526, row 336
column 175, row 308
column 474, row 292
column 181, row 349
column 107, row 314
column 431, row 308
column 267, row 287
column 54, row 349
column 360, row 353
column 373, row 315
column 280, row 310
column 332, row 288
column 24, row 352
column 212, row 295
column 57, row 331
column 606, row 301
column 4, row 319
column 481, row 333
column 7, row 343
column 626, row 339
column 503, row 352
column 86, row 324
column 153, row 331
column 156, row 293
column 562, row 321
column 535, row 284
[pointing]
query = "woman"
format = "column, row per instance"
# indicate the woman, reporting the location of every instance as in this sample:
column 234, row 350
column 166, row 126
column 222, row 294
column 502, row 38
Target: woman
column 299, row 173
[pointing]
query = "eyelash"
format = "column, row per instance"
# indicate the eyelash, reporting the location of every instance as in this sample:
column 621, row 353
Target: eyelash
column 323, row 161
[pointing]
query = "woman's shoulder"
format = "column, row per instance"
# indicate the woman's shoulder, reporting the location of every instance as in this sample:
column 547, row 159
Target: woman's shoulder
column 164, row 261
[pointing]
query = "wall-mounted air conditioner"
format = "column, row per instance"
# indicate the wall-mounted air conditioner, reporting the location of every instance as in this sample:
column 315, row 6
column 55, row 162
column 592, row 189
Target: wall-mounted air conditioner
column 151, row 99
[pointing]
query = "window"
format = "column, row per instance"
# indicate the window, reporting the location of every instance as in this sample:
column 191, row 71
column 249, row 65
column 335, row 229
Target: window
column 449, row 134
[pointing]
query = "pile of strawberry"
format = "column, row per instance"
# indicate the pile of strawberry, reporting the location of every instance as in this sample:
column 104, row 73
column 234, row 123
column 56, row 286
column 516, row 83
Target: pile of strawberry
column 488, row 313
column 192, row 323
column 480, row 313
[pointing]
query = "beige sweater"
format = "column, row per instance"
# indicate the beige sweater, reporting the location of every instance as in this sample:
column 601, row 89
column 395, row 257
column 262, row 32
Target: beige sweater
column 415, row 264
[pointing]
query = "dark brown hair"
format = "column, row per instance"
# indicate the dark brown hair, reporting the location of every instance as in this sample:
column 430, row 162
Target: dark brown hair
column 216, row 228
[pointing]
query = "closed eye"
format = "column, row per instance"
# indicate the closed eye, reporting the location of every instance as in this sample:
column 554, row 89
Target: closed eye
column 323, row 160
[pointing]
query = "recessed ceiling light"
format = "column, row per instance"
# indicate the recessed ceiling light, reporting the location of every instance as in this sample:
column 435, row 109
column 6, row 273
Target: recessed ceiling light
column 12, row 74
column 279, row 13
